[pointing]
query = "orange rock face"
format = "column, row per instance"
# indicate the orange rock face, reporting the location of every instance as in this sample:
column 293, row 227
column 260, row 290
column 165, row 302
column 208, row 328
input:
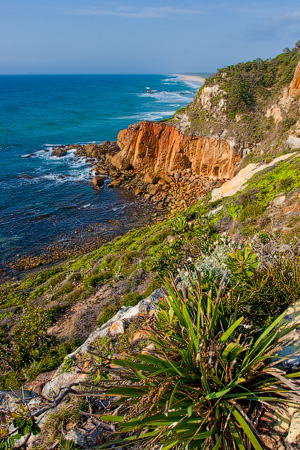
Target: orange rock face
column 158, row 149
column 295, row 84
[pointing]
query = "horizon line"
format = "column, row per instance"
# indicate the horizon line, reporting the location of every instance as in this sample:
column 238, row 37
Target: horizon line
column 115, row 74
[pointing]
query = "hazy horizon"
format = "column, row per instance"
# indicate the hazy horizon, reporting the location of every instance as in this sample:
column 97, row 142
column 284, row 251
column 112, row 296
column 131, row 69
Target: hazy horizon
column 69, row 37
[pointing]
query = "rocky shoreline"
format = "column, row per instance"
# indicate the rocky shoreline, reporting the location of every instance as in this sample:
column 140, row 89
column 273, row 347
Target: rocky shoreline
column 81, row 241
column 160, row 163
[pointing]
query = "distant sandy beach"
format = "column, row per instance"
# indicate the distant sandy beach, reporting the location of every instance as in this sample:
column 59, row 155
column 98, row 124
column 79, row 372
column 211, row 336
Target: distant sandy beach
column 194, row 78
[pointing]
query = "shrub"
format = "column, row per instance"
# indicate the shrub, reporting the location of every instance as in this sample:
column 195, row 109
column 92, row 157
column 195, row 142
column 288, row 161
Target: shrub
column 288, row 123
column 269, row 291
column 97, row 279
column 107, row 314
column 11, row 380
column 51, row 359
column 131, row 299
column 252, row 211
column 66, row 288
column 204, row 384
column 29, row 339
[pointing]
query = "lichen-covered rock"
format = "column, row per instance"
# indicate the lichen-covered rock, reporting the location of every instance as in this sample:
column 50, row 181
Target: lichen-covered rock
column 279, row 200
column 61, row 380
column 293, row 437
column 11, row 400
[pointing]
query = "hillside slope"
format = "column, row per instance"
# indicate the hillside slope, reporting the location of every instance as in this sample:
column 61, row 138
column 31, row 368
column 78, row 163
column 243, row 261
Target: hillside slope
column 228, row 163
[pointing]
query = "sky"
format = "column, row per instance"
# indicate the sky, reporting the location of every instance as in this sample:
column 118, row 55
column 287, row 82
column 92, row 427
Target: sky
column 141, row 36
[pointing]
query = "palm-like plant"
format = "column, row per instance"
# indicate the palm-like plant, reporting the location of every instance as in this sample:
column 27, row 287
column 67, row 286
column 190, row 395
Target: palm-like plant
column 204, row 385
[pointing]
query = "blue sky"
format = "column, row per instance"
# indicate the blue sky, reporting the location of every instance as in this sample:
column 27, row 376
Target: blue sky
column 141, row 36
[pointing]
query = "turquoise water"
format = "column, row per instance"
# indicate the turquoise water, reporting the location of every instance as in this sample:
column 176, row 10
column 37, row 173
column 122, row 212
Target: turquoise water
column 38, row 112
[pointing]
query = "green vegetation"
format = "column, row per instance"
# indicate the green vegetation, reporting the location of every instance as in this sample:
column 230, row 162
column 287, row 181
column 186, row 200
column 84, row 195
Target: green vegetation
column 242, row 95
column 210, row 372
column 131, row 299
column 250, row 207
column 209, row 375
column 107, row 314
column 246, row 82
column 158, row 249
column 30, row 350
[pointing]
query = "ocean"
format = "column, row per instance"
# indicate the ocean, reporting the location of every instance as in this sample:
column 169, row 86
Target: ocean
column 45, row 199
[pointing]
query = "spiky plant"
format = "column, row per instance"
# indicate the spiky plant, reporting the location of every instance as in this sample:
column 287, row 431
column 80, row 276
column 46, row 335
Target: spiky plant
column 205, row 384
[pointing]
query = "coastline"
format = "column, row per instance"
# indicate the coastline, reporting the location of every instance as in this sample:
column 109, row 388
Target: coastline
column 193, row 78
column 55, row 224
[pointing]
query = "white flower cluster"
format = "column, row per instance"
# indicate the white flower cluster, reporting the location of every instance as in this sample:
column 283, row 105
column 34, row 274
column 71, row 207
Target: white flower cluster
column 213, row 261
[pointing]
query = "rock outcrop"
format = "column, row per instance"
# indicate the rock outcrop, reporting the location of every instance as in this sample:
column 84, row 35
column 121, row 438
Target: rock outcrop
column 98, row 181
column 59, row 151
column 238, row 183
column 159, row 149
column 294, row 90
column 166, row 166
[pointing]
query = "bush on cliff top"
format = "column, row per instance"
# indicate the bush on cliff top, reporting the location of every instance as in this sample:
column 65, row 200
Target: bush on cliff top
column 246, row 82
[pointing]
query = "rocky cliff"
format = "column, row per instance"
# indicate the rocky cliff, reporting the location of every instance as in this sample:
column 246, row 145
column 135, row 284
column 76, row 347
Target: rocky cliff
column 294, row 90
column 156, row 149
column 254, row 103
column 165, row 165
column 245, row 113
column 248, row 113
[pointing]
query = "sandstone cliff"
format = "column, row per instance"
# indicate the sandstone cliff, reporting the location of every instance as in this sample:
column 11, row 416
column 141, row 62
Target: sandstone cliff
column 244, row 114
column 294, row 90
column 155, row 149
column 166, row 165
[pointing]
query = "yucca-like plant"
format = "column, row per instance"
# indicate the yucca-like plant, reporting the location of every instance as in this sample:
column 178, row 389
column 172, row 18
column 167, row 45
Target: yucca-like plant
column 207, row 381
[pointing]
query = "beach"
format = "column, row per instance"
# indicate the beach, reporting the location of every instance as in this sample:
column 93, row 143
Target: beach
column 193, row 78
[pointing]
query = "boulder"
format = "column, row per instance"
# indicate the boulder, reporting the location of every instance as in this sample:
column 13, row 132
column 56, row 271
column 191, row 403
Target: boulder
column 117, row 328
column 11, row 400
column 153, row 189
column 97, row 181
column 115, row 183
column 61, row 381
column 145, row 333
column 59, row 151
column 294, row 430
column 279, row 200
column 120, row 162
column 149, row 178
column 100, row 171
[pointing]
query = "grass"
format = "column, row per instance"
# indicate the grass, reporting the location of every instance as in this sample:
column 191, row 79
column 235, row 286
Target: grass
column 107, row 314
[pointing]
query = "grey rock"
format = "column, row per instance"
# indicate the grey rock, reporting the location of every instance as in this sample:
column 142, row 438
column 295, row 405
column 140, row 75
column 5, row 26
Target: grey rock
column 11, row 400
